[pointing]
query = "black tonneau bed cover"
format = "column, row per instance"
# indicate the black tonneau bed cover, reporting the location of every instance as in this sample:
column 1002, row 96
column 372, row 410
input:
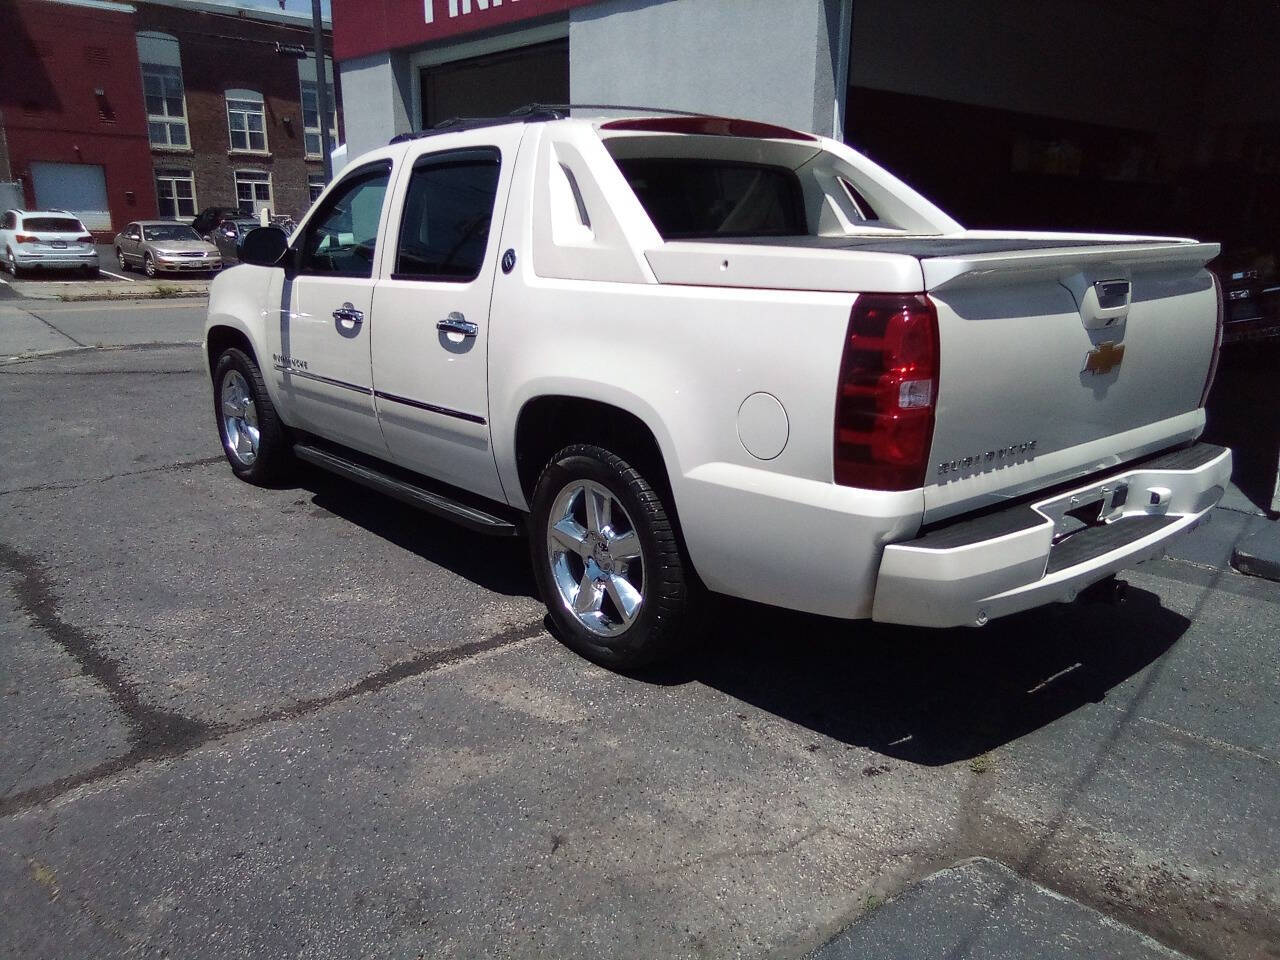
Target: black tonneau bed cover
column 923, row 247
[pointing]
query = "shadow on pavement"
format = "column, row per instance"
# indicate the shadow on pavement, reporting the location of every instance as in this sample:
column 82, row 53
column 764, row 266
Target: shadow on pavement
column 1242, row 414
column 925, row 696
column 500, row 564
column 930, row 697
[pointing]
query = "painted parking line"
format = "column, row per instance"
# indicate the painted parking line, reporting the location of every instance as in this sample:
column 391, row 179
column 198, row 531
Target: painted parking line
column 118, row 276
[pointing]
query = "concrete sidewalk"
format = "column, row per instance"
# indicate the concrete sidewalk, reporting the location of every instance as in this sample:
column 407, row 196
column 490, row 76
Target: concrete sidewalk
column 1237, row 532
column 1258, row 553
column 982, row 910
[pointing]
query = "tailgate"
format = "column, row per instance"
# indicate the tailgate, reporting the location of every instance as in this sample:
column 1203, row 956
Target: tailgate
column 1056, row 363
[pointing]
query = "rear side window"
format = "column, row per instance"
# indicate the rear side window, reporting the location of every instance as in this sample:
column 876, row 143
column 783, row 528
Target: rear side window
column 693, row 199
column 52, row 224
column 447, row 212
column 339, row 238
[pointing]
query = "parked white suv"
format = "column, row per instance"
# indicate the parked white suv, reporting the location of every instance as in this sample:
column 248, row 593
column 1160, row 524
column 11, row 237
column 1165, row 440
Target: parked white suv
column 46, row 240
column 691, row 352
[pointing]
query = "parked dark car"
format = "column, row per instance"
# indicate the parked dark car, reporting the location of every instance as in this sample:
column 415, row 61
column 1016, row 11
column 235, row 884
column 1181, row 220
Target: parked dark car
column 210, row 217
column 1251, row 295
column 229, row 234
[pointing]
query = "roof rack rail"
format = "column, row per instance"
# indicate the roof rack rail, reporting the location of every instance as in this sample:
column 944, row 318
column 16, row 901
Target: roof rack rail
column 531, row 113
column 565, row 108
column 456, row 124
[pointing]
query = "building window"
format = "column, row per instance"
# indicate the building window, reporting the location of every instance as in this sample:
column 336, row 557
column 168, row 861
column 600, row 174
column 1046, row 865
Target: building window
column 247, row 120
column 315, row 187
column 253, row 191
column 163, row 91
column 311, row 118
column 175, row 194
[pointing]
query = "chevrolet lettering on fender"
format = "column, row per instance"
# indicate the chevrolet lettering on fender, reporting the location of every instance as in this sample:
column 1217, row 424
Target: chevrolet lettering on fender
column 681, row 355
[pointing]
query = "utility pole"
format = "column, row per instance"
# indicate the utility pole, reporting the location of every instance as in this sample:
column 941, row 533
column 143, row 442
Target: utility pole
column 322, row 89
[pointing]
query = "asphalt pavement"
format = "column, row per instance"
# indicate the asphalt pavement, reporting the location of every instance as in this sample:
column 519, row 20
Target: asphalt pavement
column 307, row 721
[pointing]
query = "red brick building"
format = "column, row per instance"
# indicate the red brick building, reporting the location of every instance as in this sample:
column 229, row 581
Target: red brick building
column 73, row 118
column 121, row 111
column 232, row 121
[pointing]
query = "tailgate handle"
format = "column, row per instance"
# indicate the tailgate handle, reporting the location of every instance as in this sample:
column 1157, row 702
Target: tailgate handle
column 1112, row 294
column 1103, row 304
column 1106, row 304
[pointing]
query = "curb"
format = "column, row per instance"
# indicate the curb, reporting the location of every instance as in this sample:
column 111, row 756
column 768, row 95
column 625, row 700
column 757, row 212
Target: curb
column 34, row 355
column 1258, row 555
column 55, row 291
column 129, row 295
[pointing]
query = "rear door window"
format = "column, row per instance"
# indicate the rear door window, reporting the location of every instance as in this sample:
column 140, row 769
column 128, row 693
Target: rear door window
column 699, row 199
column 448, row 209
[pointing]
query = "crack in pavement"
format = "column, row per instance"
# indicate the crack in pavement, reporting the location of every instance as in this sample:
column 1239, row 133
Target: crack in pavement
column 158, row 734
column 52, row 327
column 152, row 728
column 25, row 358
column 97, row 373
column 85, row 481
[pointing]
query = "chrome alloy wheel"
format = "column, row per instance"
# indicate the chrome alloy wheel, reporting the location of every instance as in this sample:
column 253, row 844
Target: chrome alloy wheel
column 239, row 419
column 596, row 560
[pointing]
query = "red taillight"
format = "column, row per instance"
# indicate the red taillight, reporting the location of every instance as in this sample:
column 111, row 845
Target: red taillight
column 1217, row 342
column 86, row 238
column 25, row 238
column 888, row 392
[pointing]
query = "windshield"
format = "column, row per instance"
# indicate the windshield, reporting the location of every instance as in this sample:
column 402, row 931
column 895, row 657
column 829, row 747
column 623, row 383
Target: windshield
column 169, row 231
column 53, row 224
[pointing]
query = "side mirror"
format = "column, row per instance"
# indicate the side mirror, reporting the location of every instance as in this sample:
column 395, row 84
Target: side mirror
column 264, row 246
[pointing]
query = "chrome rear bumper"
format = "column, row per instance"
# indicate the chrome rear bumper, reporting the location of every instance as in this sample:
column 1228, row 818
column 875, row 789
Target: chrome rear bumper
column 975, row 569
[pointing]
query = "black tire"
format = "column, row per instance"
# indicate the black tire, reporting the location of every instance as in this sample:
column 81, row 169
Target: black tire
column 14, row 270
column 149, row 266
column 667, row 606
column 91, row 272
column 124, row 264
column 274, row 456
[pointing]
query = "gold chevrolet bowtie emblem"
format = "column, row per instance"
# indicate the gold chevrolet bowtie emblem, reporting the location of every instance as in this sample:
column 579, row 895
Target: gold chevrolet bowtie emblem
column 1104, row 358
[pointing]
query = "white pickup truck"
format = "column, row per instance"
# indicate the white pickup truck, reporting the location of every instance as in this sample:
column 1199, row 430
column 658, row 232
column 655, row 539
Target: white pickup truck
column 690, row 353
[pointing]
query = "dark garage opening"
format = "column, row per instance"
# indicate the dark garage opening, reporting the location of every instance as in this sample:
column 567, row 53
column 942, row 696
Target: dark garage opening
column 1161, row 117
column 494, row 85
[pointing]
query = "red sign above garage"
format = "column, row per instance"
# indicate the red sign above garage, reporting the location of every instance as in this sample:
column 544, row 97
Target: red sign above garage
column 362, row 27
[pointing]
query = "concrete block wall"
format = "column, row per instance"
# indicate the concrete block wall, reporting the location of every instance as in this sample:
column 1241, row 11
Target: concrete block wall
column 770, row 60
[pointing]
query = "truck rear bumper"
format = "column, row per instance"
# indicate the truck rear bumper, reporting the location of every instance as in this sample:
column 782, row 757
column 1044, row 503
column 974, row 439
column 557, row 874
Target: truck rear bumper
column 976, row 569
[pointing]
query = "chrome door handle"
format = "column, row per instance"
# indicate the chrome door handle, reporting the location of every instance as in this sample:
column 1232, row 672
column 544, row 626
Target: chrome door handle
column 347, row 313
column 457, row 323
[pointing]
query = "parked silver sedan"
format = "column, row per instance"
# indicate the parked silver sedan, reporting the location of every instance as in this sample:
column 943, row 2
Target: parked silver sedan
column 160, row 246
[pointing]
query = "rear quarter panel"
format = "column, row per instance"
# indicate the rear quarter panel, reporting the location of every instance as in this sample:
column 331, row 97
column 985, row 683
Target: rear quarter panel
column 683, row 360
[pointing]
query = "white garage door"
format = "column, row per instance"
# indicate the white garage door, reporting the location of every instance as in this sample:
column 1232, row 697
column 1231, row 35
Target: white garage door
column 78, row 187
